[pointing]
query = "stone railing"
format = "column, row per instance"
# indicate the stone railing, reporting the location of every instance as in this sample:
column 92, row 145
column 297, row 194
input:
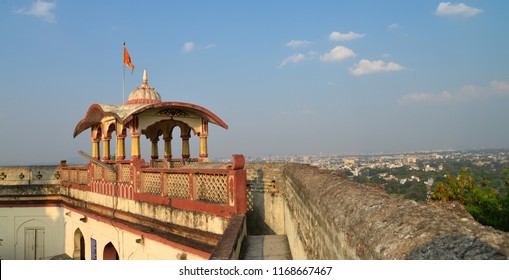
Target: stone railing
column 215, row 191
column 328, row 217
column 203, row 185
column 29, row 175
column 173, row 162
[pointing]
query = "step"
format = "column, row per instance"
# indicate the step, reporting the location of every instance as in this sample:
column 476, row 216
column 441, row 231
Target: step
column 265, row 247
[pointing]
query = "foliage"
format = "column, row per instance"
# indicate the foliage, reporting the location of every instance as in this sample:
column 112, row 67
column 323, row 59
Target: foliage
column 482, row 201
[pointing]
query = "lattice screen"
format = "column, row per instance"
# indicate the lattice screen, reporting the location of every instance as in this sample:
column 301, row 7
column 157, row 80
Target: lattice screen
column 74, row 176
column 65, row 175
column 175, row 164
column 177, row 185
column 109, row 176
column 82, row 177
column 158, row 164
column 125, row 173
column 97, row 172
column 212, row 188
column 151, row 182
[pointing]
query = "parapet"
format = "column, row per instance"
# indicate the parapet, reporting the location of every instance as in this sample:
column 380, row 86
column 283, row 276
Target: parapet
column 328, row 217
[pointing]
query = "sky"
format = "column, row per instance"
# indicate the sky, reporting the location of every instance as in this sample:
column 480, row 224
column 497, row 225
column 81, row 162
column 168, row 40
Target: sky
column 288, row 77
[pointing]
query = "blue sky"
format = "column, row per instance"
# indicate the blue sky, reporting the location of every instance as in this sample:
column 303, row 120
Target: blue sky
column 288, row 77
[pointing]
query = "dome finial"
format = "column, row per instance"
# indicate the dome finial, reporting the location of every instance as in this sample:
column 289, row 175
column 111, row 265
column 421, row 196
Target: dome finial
column 144, row 94
column 145, row 77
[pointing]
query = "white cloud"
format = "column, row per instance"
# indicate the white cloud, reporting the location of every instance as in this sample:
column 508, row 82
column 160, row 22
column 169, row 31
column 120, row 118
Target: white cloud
column 470, row 92
column 393, row 26
column 188, row 47
column 368, row 66
column 41, row 9
column 191, row 47
column 465, row 94
column 450, row 9
column 298, row 44
column 337, row 36
column 500, row 87
column 337, row 54
column 296, row 58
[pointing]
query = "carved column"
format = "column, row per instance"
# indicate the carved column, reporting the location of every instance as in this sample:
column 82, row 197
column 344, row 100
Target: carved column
column 203, row 139
column 135, row 139
column 203, row 147
column 96, row 138
column 167, row 147
column 135, row 146
column 106, row 148
column 120, row 152
column 185, row 146
column 95, row 149
column 155, row 150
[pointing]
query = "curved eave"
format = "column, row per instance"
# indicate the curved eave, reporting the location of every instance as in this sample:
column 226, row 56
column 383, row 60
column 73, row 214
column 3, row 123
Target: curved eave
column 94, row 115
column 202, row 112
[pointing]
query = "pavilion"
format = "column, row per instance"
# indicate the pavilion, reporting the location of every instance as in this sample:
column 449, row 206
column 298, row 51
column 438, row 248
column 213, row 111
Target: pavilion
column 145, row 114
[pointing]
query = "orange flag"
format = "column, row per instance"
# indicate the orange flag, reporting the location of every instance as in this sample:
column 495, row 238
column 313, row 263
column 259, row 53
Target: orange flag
column 127, row 59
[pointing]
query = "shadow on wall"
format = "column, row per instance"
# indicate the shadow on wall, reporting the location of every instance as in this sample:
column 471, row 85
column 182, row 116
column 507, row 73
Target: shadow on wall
column 455, row 247
column 256, row 205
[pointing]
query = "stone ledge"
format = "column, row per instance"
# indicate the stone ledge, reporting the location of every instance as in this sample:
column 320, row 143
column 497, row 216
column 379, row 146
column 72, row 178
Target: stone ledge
column 375, row 225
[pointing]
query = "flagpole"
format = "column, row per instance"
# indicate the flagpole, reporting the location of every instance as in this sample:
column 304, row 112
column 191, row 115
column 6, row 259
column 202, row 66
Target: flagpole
column 123, row 81
column 123, row 86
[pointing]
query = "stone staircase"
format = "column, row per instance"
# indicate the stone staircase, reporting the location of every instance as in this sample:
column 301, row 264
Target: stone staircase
column 265, row 247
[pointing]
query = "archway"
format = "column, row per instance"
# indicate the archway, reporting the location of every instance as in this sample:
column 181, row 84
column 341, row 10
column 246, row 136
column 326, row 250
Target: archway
column 110, row 253
column 79, row 245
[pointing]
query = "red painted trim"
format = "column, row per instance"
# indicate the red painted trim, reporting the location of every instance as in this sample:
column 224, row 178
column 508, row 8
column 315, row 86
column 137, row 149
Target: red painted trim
column 204, row 207
column 142, row 101
column 236, row 186
column 201, row 111
column 152, row 198
column 93, row 117
column 189, row 171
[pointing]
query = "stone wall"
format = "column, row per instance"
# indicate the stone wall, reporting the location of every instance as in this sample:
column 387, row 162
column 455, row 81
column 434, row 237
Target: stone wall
column 323, row 215
column 29, row 175
column 265, row 199
column 336, row 218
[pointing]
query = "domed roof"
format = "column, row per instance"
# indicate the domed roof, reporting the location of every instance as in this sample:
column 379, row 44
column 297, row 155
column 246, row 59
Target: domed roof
column 144, row 94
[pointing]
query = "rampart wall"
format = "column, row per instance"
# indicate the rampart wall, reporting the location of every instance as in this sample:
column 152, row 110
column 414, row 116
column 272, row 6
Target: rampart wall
column 29, row 175
column 326, row 216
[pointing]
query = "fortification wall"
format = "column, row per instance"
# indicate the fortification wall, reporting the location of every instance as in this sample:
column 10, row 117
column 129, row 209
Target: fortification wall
column 29, row 175
column 339, row 219
column 323, row 215
column 265, row 200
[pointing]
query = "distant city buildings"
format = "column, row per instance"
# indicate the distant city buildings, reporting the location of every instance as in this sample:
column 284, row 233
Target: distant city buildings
column 429, row 162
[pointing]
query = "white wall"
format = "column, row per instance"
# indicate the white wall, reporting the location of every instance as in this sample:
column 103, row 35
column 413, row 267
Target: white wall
column 59, row 226
column 14, row 222
column 123, row 241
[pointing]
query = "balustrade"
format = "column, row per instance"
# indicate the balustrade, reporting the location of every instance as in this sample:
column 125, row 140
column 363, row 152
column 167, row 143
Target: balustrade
column 219, row 191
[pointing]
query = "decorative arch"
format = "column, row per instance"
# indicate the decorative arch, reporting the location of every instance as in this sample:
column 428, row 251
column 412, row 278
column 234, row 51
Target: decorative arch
column 79, row 245
column 109, row 252
column 30, row 239
column 165, row 128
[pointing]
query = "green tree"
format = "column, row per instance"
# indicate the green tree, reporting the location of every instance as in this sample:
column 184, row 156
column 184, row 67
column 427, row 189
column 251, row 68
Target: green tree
column 482, row 201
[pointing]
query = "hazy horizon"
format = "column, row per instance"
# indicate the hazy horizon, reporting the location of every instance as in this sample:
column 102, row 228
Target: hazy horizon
column 289, row 78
